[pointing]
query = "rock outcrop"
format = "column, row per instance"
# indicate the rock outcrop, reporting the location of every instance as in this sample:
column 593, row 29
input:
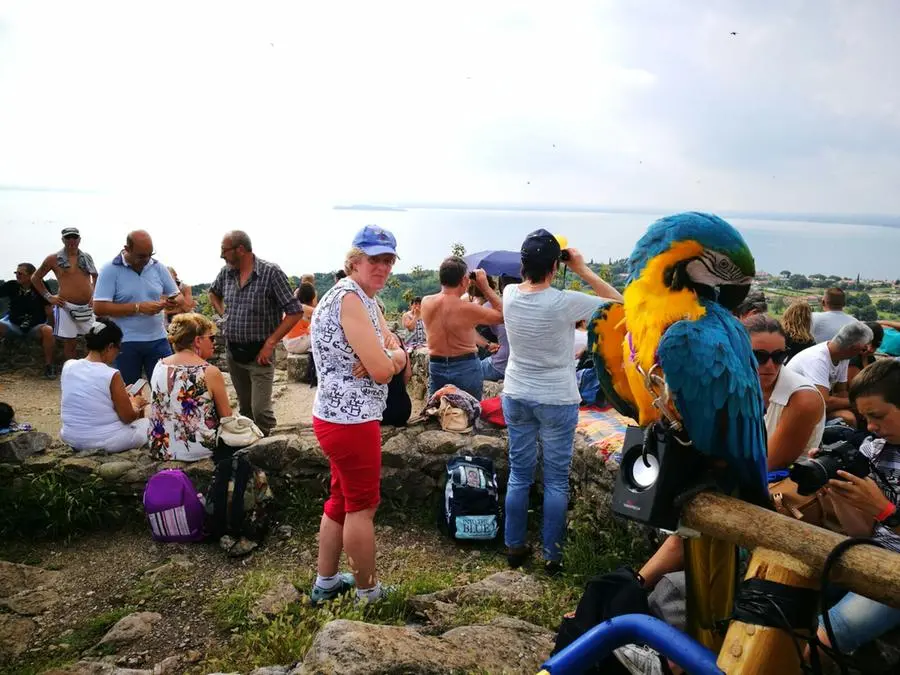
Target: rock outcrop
column 504, row 645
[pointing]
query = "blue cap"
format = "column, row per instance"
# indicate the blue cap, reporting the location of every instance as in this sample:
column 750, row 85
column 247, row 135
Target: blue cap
column 374, row 240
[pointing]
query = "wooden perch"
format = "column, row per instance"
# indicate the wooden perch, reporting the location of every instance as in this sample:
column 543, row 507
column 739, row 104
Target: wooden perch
column 867, row 570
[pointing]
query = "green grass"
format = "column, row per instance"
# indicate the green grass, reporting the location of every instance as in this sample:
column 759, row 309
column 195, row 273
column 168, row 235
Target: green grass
column 82, row 638
column 54, row 505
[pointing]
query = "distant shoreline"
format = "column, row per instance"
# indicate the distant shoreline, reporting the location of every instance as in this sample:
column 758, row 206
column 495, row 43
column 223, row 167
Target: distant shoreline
column 876, row 220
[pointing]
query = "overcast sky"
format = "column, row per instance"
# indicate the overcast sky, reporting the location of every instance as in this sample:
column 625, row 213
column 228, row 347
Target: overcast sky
column 191, row 117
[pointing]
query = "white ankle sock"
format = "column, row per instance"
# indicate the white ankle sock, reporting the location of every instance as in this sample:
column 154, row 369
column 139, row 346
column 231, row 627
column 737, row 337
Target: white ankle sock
column 327, row 583
column 369, row 593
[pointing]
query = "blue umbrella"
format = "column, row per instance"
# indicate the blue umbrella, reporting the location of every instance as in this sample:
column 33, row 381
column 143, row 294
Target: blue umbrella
column 495, row 263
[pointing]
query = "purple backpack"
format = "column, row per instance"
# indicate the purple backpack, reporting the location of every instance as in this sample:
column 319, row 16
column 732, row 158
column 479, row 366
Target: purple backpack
column 173, row 508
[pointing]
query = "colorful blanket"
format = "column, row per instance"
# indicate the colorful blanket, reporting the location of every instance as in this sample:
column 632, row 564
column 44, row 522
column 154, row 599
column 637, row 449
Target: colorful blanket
column 604, row 430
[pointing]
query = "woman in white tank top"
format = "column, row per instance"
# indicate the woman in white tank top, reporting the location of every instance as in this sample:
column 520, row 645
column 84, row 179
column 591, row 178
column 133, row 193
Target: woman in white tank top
column 795, row 410
column 97, row 411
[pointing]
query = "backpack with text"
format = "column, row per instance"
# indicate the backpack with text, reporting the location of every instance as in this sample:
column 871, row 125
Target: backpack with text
column 471, row 504
column 239, row 501
column 173, row 507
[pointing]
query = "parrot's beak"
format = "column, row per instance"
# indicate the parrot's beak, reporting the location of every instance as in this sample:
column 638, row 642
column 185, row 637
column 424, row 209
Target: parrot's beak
column 732, row 295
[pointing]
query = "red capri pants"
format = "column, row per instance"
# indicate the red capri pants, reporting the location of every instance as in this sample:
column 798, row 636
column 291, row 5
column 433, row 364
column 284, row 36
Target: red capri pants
column 354, row 452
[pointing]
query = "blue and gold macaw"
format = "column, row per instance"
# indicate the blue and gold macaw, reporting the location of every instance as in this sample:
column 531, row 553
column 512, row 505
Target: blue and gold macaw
column 673, row 353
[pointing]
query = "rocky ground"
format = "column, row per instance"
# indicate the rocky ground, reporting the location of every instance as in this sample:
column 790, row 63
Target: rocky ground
column 117, row 602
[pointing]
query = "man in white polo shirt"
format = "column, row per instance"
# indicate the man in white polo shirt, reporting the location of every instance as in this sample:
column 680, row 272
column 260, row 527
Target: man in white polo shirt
column 133, row 290
column 825, row 365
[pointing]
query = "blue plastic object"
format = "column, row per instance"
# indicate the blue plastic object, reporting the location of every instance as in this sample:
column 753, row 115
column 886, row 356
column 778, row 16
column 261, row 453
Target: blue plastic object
column 602, row 639
column 780, row 474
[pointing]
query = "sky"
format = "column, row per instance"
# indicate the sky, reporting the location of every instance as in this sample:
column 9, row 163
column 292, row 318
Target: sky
column 193, row 118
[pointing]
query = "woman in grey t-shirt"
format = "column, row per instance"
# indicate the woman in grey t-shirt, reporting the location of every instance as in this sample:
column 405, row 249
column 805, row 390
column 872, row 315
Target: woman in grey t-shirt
column 540, row 393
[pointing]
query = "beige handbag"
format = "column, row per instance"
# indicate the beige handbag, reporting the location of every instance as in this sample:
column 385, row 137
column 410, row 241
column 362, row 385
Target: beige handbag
column 237, row 431
column 453, row 418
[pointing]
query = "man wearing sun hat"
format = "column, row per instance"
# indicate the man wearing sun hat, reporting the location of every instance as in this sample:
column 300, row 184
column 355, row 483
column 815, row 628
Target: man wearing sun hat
column 76, row 273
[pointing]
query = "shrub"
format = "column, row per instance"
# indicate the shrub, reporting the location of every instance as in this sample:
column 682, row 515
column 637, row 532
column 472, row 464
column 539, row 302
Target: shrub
column 53, row 504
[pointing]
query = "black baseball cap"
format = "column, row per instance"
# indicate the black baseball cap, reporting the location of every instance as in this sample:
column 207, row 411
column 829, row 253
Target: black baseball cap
column 541, row 245
column 70, row 232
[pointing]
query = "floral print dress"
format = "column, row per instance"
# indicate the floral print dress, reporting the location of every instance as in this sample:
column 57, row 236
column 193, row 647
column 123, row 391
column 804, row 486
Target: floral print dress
column 183, row 418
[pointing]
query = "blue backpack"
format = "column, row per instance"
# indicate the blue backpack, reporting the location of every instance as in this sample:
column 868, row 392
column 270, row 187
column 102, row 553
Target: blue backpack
column 589, row 387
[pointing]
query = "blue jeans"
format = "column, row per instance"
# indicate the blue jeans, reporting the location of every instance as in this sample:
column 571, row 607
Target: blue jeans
column 137, row 356
column 857, row 620
column 464, row 374
column 488, row 371
column 12, row 330
column 555, row 426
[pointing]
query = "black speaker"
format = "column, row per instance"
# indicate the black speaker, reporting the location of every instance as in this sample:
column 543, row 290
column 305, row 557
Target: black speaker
column 651, row 478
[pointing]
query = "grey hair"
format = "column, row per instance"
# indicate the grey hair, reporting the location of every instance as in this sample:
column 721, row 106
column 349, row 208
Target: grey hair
column 240, row 238
column 852, row 335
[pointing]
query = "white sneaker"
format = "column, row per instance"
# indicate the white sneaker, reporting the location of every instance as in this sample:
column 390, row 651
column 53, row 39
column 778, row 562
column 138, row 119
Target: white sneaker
column 639, row 660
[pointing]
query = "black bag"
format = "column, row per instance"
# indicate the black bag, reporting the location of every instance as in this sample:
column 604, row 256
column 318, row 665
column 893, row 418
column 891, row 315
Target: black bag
column 245, row 352
column 605, row 596
column 239, row 501
column 471, row 505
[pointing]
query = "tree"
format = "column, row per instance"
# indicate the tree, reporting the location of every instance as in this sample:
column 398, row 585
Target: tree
column 785, row 273
column 884, row 305
column 896, row 307
column 408, row 296
column 417, row 272
column 777, row 305
column 863, row 299
column 798, row 281
column 458, row 249
column 575, row 285
column 867, row 313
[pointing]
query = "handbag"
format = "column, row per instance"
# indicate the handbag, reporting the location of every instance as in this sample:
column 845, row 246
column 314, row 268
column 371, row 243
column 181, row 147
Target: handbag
column 814, row 509
column 237, row 431
column 244, row 352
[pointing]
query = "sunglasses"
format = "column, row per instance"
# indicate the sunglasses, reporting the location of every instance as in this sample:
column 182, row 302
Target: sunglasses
column 762, row 357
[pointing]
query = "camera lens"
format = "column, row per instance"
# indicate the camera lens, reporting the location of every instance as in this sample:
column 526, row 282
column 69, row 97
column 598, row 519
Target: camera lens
column 811, row 474
column 472, row 276
column 564, row 255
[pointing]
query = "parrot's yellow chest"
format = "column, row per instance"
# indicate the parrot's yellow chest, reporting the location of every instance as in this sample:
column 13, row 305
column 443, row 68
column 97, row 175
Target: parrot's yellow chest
column 650, row 308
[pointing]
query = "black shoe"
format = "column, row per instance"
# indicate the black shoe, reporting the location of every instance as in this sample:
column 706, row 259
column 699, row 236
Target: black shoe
column 515, row 558
column 50, row 372
column 553, row 568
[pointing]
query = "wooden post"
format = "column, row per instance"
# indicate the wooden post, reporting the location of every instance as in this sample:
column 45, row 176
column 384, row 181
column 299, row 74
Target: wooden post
column 793, row 553
column 759, row 650
column 868, row 570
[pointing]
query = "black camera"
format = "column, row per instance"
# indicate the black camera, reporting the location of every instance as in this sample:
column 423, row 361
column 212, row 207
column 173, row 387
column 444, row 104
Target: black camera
column 812, row 473
column 564, row 255
column 472, row 276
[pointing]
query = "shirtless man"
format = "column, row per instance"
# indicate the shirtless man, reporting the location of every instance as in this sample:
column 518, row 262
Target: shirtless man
column 73, row 312
column 450, row 328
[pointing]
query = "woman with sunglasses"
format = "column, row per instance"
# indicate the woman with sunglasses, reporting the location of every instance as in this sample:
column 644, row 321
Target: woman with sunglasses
column 188, row 394
column 795, row 410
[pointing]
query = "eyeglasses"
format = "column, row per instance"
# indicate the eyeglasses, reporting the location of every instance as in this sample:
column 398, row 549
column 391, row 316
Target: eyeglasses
column 230, row 248
column 72, row 236
column 762, row 357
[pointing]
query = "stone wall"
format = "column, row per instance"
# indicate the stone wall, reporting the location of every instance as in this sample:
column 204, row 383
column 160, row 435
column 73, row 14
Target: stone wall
column 413, row 461
column 26, row 355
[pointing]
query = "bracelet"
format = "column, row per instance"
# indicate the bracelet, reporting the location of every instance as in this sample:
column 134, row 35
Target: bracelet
column 886, row 512
column 137, row 308
column 46, row 294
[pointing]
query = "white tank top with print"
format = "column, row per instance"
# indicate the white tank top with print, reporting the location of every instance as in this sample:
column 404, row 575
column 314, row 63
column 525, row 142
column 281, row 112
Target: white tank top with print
column 342, row 398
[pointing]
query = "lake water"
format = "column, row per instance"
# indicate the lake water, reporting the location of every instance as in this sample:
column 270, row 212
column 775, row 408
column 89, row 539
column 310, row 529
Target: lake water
column 800, row 247
column 304, row 235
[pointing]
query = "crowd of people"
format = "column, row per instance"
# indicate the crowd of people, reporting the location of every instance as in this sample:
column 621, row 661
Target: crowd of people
column 147, row 378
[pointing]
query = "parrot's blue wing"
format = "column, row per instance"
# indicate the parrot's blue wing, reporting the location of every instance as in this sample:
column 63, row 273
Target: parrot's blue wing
column 711, row 371
column 606, row 335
